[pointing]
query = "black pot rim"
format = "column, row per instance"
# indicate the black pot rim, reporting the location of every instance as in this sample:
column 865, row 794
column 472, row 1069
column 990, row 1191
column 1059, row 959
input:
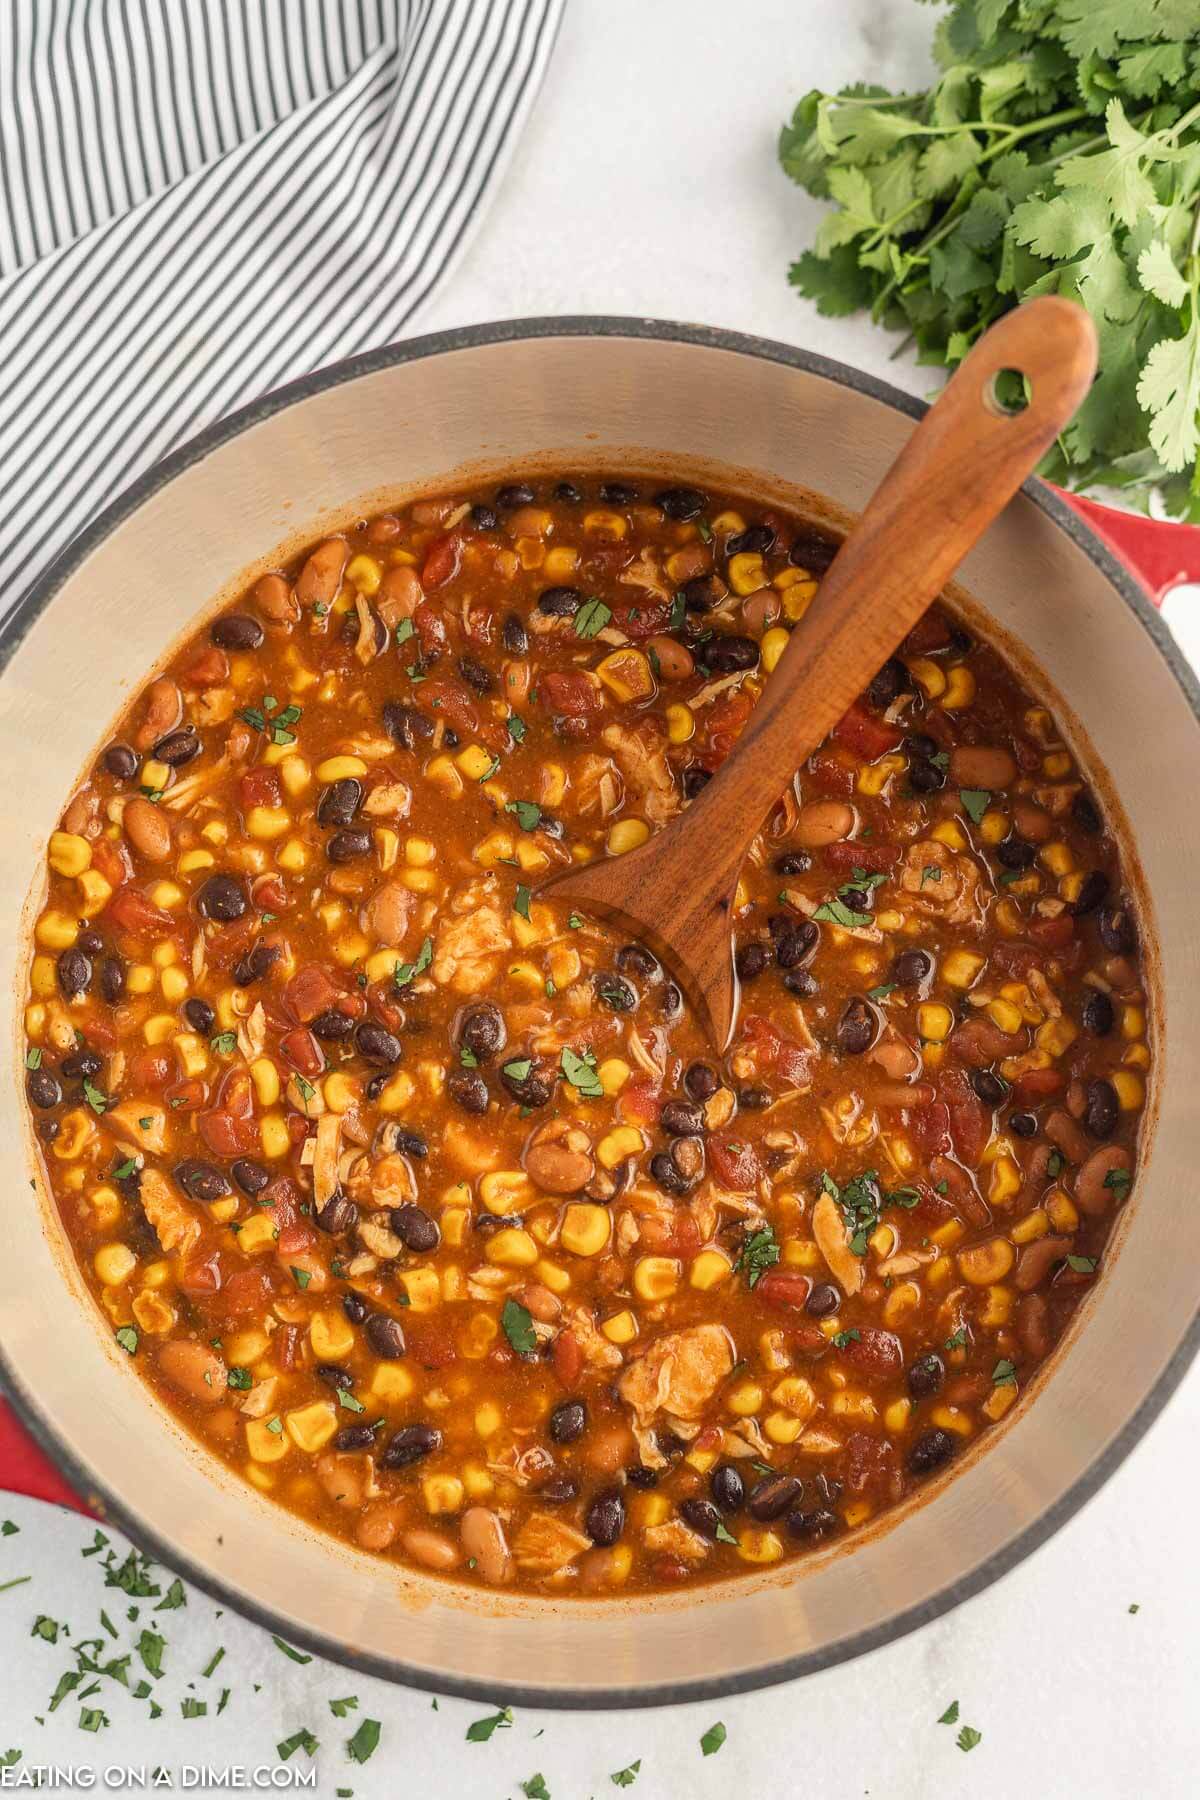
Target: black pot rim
column 532, row 1693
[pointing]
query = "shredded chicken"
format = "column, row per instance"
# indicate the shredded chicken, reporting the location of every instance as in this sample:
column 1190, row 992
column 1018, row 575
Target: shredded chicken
column 545, row 1544
column 175, row 1223
column 641, row 756
column 325, row 1157
column 679, row 1373
column 942, row 881
column 471, row 938
column 674, row 1538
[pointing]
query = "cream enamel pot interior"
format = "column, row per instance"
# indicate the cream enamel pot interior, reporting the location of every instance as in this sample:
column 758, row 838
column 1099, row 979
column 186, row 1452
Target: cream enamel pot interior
column 612, row 393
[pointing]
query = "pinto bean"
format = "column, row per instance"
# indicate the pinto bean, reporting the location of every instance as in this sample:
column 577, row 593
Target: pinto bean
column 1032, row 822
column 344, row 1478
column 387, row 913
column 400, row 594
column 560, row 1162
column 978, row 1042
column 1066, row 1136
column 898, row 1060
column 377, row 1528
column 432, row 1548
column 164, row 710
column 1037, row 1259
column 539, row 1301
column 147, row 829
column 275, row 600
column 1092, row 1191
column 760, row 610
column 982, row 766
column 675, row 660
column 1037, row 1174
column 610, row 1448
column 1033, row 1326
column 319, row 580
column 193, row 1369
column 823, row 822
column 481, row 1535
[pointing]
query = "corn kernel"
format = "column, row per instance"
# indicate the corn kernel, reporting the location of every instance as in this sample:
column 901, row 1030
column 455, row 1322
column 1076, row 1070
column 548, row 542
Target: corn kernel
column 1004, row 1014
column 419, row 852
column 56, row 931
column 257, row 1234
column 511, row 1248
column 773, row 645
column 114, row 1264
column 442, row 772
column 928, row 676
column 488, row 1419
column 681, row 723
column 798, row 1253
column 993, row 827
column 585, row 1229
column 952, row 1418
column 747, row 572
column 950, row 834
column 397, row 1096
column 552, row 1276
column 655, row 1277
column 649, row 1510
column 174, row 984
column 961, row 968
column 1005, row 1182
column 442, row 1493
column 709, row 1269
column 1034, row 1225
column 1129, row 1089
column 311, row 1427
column 896, row 1416
column 1002, row 1396
column 190, row 1048
column 96, row 893
column 626, row 673
column 267, row 822
column 616, row 1145
column 68, row 854
column 265, row 1445
column 424, row 1287
column 960, row 688
column 474, row 762
column 759, row 1545
column 192, row 860
column 798, row 593
column 745, row 1399
column 156, row 774
column 934, row 1022
column 982, row 1264
column 782, row 1428
column 621, row 1328
column 296, row 775
column 1057, row 765
column 391, row 1381
column 560, row 562
column 364, row 573
column 625, row 835
column 273, row 1135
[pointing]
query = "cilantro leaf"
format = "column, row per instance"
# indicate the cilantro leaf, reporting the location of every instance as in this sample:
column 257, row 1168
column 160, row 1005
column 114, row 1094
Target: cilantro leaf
column 404, row 973
column 517, row 1322
column 975, row 802
column 581, row 1072
column 482, row 1729
column 758, row 1253
column 591, row 618
column 713, row 1738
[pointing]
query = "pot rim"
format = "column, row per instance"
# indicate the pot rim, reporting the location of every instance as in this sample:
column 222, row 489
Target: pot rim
column 151, row 1541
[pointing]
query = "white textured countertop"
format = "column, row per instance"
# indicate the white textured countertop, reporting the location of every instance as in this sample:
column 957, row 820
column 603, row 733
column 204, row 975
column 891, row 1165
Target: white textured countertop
column 646, row 184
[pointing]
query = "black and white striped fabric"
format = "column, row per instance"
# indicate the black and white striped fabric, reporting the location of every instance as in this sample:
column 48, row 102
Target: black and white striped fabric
column 201, row 199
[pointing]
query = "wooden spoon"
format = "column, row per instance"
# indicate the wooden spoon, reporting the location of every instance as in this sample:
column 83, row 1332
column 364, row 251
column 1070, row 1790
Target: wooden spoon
column 964, row 461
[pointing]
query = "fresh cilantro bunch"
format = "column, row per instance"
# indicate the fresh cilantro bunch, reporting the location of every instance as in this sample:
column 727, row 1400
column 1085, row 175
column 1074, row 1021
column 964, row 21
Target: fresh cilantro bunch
column 1057, row 153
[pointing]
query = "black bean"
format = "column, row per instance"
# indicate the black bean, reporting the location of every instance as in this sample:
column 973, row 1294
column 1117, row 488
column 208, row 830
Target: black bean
column 812, row 550
column 701, row 1515
column 43, row 1088
column 250, row 1176
column 926, row 1375
column 670, row 999
column 517, row 493
column 640, row 1478
column 340, row 801
column 568, row 1421
column 796, row 947
column 475, row 675
column 533, row 1089
column 921, row 746
column 82, row 1064
column 817, row 1523
column 178, row 747
column 354, row 1307
column 487, row 1223
column 635, row 959
column 926, row 777
column 481, row 1030
column 568, row 493
column 354, row 1437
column 344, row 846
column 931, row 1450
column 411, row 1444
column 912, row 967
column 753, row 1099
column 199, row 1015
column 221, row 898
column 1086, row 813
column 384, row 1336
column 793, row 862
column 823, row 1300
column 258, row 961
column 1023, row 1124
column 801, row 981
column 112, row 979
column 483, row 518
column 560, row 602
column 991, row 1089
column 415, row 1229
column 858, row 1027
column 406, row 727
column 605, row 1519
column 409, row 1142
column 750, row 960
column 122, row 762
column 468, row 1089
column 201, row 1180
column 665, row 1172
column 1097, row 1014
column 560, row 1490
column 701, row 1080
column 755, row 540
column 727, row 1487
column 378, row 1045
column 613, row 992
column 1100, row 1111
column 48, row 1129
column 74, row 971
column 91, row 942
column 515, row 636
column 376, row 1084
column 338, row 1215
column 679, row 1118
column 702, row 593
column 1015, row 852
column 681, row 502
column 695, row 780
column 334, row 1375
column 687, row 1154
column 617, row 493
column 1093, row 892
column 237, row 631
column 1118, row 932
column 730, row 653
column 891, row 681
column 331, row 1026
column 773, row 1495
column 859, row 900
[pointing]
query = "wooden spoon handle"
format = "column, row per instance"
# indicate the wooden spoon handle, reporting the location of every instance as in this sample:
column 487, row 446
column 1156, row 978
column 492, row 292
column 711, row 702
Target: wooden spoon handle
column 961, row 466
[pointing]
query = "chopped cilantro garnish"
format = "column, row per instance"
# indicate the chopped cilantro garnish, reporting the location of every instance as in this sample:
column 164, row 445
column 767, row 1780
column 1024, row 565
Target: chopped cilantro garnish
column 529, row 813
column 758, row 1253
column 950, row 1716
column 516, row 728
column 127, row 1337
column 591, row 618
column 841, row 1339
column 958, row 1341
column 240, row 1378
column 404, row 630
column 836, row 912
column 713, row 1738
column 299, row 1740
column 1118, row 1182
column 518, row 1070
column 1004, row 1374
column 339, row 1708
column 975, row 802
column 481, row 1730
column 302, row 1277
column 297, row 1656
column 968, row 1737
column 1082, row 1265
column 33, row 1058
column 522, row 899
column 581, row 1072
column 517, row 1322
column 626, row 1777
column 882, row 992
column 95, row 1099
column 535, row 1788
column 403, row 973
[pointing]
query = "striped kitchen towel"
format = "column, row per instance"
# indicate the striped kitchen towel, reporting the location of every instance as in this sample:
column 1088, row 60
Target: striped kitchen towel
column 201, row 199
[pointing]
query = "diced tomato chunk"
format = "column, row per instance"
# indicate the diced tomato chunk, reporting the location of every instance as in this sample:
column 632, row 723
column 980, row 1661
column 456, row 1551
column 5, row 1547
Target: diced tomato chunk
column 970, row 1120
column 567, row 1357
column 302, row 1050
column 1038, row 1084
column 568, row 691
column 865, row 734
column 726, row 722
column 130, row 910
column 874, row 1351
column 784, row 1287
column 441, row 560
column 431, row 630
column 246, row 1292
column 639, row 1102
column 775, row 1051
column 202, row 1274
column 930, row 1128
column 1053, row 934
column 112, row 860
column 295, row 1238
column 186, row 1096
column 641, row 622
column 310, row 991
column 735, row 1164
column 450, row 700
column 260, row 787
column 830, row 775
column 931, row 632
column 230, row 1129
column 152, row 1067
column 209, row 668
column 860, row 853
